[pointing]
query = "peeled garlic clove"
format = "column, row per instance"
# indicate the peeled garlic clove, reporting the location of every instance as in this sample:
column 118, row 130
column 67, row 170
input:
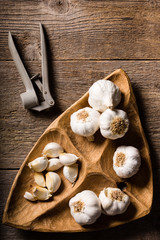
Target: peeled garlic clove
column 54, row 164
column 53, row 181
column 39, row 164
column 52, row 150
column 41, row 193
column 39, row 179
column 71, row 172
column 68, row 158
column 29, row 196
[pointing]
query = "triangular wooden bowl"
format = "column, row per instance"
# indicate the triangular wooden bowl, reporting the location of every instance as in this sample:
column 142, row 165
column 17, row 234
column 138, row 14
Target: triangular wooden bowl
column 95, row 173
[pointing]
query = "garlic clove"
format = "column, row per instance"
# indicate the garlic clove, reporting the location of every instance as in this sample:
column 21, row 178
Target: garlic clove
column 39, row 179
column 53, row 181
column 39, row 164
column 52, row 150
column 54, row 164
column 68, row 158
column 71, row 172
column 29, row 196
column 41, row 193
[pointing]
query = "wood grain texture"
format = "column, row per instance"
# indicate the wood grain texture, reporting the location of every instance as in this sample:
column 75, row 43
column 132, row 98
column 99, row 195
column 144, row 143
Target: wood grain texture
column 82, row 29
column 69, row 81
column 78, row 32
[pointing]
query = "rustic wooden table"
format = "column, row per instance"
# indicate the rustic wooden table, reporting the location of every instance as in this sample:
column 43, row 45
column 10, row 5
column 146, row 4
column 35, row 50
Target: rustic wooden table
column 86, row 41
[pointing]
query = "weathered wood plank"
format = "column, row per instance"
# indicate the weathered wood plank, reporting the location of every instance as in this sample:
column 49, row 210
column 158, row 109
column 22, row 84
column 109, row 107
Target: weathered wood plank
column 144, row 228
column 78, row 30
column 20, row 128
column 81, row 29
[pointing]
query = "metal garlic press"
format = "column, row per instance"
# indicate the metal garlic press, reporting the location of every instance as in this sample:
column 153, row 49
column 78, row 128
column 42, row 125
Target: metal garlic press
column 30, row 98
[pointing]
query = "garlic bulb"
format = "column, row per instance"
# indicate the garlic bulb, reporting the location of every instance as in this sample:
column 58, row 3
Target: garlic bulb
column 114, row 123
column 85, row 122
column 71, row 172
column 39, row 179
column 85, row 207
column 39, row 164
column 53, row 181
column 52, row 150
column 104, row 94
column 41, row 193
column 114, row 201
column 29, row 196
column 126, row 161
column 54, row 164
column 67, row 158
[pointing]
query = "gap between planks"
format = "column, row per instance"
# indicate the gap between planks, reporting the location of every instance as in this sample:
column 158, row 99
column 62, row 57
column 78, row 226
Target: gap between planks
column 10, row 169
column 90, row 60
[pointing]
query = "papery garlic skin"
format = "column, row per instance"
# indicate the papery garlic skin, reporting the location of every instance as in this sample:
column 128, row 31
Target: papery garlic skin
column 104, row 94
column 29, row 196
column 39, row 164
column 52, row 150
column 54, row 164
column 53, row 181
column 71, row 172
column 114, row 123
column 41, row 193
column 126, row 161
column 68, row 158
column 85, row 122
column 85, row 207
column 114, row 201
column 39, row 179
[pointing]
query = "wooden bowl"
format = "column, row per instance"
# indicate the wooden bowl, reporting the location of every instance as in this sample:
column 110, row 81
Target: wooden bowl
column 95, row 173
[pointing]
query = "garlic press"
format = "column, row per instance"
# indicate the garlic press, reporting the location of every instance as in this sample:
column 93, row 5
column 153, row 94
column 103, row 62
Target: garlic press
column 30, row 98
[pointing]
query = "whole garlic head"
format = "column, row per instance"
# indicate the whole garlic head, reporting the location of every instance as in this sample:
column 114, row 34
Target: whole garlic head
column 104, row 94
column 126, row 161
column 113, row 201
column 85, row 207
column 114, row 123
column 39, row 164
column 85, row 122
column 52, row 150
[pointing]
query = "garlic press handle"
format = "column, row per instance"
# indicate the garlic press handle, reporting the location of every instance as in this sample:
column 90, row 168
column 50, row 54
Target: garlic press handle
column 45, row 81
column 29, row 98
